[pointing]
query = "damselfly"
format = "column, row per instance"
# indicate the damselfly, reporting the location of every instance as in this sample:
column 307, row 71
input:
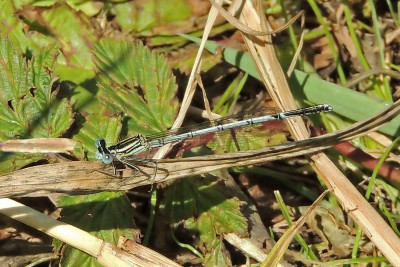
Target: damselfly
column 124, row 150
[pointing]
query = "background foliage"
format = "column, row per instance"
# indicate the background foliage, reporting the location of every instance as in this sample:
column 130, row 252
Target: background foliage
column 112, row 69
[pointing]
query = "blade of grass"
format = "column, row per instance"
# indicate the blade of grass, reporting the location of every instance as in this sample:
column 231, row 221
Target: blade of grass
column 371, row 183
column 187, row 246
column 298, row 237
column 329, row 37
column 278, row 250
column 344, row 262
column 152, row 212
column 393, row 13
column 354, row 37
column 230, row 95
column 385, row 91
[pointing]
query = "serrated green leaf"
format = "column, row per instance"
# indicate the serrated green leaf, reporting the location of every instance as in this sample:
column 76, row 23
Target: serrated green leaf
column 218, row 256
column 220, row 219
column 206, row 210
column 138, row 83
column 60, row 117
column 106, row 215
column 73, row 32
column 28, row 106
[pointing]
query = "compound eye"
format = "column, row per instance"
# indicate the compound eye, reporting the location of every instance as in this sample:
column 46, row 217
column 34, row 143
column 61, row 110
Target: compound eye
column 99, row 155
column 107, row 159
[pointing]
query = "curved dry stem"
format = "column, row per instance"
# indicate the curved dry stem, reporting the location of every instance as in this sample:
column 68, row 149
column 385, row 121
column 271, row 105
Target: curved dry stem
column 245, row 29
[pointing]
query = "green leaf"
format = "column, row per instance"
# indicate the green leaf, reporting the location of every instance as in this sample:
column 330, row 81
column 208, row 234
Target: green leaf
column 81, row 88
column 28, row 106
column 218, row 255
column 207, row 211
column 351, row 104
column 106, row 215
column 90, row 8
column 12, row 161
column 138, row 83
column 11, row 25
column 74, row 33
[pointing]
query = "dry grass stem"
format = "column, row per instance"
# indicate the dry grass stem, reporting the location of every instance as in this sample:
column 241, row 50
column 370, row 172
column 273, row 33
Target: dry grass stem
column 39, row 145
column 105, row 253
